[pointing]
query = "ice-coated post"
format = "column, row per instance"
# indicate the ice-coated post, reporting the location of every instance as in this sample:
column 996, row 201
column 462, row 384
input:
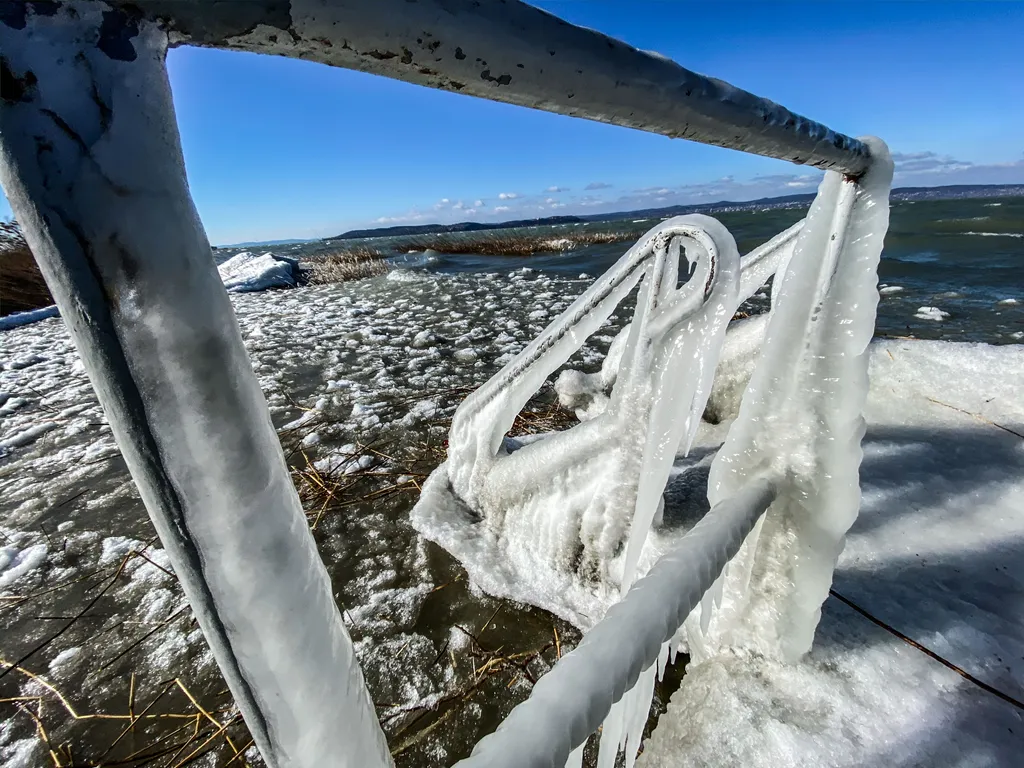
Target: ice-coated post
column 91, row 162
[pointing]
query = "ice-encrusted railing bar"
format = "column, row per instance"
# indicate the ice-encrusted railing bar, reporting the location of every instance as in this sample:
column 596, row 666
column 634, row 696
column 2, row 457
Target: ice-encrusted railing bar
column 571, row 701
column 512, row 52
column 92, row 165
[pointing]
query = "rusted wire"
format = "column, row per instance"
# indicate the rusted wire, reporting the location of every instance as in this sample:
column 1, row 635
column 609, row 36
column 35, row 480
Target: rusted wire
column 928, row 652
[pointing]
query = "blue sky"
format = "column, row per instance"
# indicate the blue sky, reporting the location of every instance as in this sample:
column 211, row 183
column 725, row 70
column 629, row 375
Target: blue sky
column 280, row 148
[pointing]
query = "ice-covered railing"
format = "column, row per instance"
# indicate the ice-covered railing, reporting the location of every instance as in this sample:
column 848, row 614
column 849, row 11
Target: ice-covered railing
column 793, row 449
column 604, row 477
column 91, row 162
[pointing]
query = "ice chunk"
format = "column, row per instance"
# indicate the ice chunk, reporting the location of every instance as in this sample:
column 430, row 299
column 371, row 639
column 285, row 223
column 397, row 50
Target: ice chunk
column 248, row 272
column 16, row 563
column 931, row 313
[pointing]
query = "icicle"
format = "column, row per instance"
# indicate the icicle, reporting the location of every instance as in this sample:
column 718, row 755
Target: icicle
column 663, row 659
column 576, row 757
column 718, row 588
column 611, row 733
column 643, row 695
column 705, row 612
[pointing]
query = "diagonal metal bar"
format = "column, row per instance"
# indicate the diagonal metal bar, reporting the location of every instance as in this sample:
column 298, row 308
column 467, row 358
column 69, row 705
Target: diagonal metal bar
column 508, row 51
column 570, row 701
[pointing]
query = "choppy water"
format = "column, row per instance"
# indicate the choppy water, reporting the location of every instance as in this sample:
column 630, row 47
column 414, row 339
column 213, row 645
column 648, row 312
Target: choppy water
column 962, row 257
column 384, row 359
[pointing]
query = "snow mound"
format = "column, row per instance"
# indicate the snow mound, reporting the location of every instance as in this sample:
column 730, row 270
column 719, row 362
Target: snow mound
column 246, row 272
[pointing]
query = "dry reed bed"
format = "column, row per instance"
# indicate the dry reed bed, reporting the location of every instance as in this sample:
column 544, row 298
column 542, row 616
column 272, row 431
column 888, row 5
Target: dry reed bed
column 344, row 264
column 511, row 244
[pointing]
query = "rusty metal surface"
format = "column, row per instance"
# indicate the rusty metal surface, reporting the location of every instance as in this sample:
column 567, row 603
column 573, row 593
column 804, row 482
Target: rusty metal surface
column 505, row 50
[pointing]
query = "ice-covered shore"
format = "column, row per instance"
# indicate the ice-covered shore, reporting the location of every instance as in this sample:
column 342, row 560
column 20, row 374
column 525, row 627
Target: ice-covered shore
column 935, row 552
column 243, row 273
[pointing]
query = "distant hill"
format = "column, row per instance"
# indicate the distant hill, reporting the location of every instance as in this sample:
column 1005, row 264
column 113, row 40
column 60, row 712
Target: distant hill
column 465, row 226
column 950, row 192
column 256, row 243
column 956, row 191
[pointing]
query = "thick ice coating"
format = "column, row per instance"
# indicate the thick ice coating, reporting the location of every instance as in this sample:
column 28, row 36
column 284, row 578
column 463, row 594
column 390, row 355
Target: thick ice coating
column 106, row 210
column 799, row 428
column 558, row 511
column 801, row 419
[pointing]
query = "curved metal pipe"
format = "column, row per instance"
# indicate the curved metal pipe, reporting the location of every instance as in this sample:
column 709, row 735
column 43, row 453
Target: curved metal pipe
column 512, row 52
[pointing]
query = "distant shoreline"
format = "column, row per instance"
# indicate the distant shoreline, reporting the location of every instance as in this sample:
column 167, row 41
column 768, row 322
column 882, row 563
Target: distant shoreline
column 948, row 192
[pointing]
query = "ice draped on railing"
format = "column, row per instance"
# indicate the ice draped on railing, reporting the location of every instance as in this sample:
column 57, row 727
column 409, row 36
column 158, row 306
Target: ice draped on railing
column 610, row 470
column 607, row 466
column 576, row 508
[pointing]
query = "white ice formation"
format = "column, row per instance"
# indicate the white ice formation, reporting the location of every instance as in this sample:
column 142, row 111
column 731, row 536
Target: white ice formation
column 246, row 271
column 491, row 503
column 567, row 517
column 801, row 421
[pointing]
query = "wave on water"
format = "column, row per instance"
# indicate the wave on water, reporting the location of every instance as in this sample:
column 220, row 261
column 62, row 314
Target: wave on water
column 924, row 257
column 996, row 234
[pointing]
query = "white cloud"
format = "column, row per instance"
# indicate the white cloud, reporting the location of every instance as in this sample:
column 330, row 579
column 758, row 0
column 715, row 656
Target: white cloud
column 598, row 185
column 412, row 216
column 927, row 169
column 556, row 190
column 912, row 169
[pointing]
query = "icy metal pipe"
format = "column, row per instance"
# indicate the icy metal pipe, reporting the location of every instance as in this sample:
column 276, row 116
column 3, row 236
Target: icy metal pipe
column 571, row 701
column 92, row 165
column 512, row 52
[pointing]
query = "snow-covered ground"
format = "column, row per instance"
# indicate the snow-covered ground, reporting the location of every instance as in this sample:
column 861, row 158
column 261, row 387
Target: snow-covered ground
column 936, row 552
column 338, row 364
